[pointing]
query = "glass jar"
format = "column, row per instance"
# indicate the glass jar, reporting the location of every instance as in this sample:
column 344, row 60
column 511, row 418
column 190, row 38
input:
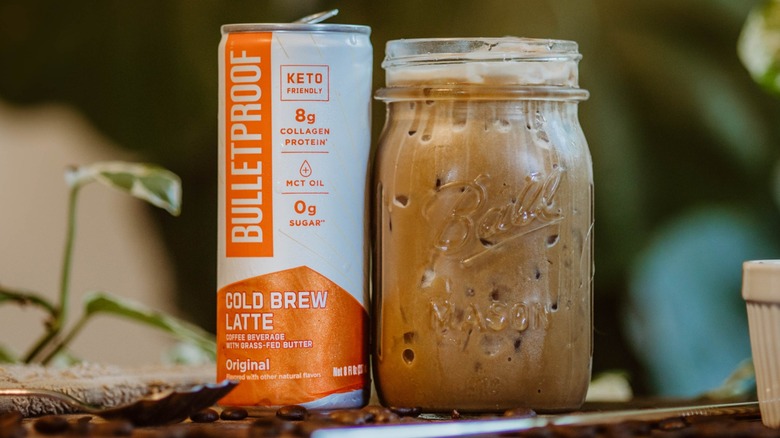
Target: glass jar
column 483, row 213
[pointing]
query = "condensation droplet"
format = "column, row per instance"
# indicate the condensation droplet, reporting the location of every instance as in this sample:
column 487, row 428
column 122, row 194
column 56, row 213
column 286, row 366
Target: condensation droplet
column 427, row 278
column 401, row 200
column 491, row 344
column 499, row 293
column 408, row 356
column 485, row 242
column 503, row 125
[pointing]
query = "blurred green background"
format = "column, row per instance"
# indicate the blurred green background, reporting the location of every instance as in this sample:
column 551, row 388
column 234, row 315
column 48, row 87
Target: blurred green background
column 685, row 144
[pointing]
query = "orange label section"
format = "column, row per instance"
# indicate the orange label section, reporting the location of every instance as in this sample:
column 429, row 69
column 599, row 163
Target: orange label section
column 290, row 337
column 248, row 130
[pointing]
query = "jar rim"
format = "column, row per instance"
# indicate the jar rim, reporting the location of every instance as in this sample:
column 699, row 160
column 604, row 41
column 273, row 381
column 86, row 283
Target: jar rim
column 471, row 92
column 416, row 51
column 504, row 61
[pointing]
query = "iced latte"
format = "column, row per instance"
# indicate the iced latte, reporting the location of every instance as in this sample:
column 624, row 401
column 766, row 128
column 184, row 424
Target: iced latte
column 483, row 211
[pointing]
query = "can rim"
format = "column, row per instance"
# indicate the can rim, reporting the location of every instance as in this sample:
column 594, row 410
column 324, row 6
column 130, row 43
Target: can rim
column 294, row 27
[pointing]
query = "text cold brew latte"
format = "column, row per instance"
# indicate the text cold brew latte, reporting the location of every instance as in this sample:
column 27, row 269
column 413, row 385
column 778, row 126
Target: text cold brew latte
column 483, row 193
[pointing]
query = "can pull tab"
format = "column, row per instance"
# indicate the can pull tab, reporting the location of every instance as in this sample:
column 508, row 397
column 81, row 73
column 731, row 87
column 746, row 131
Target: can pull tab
column 318, row 17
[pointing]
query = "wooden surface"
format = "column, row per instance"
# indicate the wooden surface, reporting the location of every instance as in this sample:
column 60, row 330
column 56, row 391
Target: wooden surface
column 266, row 424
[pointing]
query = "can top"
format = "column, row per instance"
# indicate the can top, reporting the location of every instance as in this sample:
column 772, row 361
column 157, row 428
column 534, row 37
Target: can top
column 294, row 27
column 761, row 281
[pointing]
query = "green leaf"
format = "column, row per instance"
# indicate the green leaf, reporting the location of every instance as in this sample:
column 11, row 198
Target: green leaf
column 759, row 45
column 101, row 303
column 6, row 356
column 151, row 183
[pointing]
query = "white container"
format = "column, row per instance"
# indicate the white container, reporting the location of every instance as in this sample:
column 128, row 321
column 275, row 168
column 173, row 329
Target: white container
column 761, row 291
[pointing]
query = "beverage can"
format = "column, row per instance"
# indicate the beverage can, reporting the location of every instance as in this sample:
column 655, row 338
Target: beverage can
column 294, row 138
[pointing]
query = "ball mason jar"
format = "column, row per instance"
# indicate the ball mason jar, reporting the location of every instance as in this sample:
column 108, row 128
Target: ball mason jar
column 483, row 214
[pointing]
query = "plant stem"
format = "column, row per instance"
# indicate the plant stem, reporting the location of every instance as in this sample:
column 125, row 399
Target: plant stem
column 66, row 340
column 61, row 312
column 24, row 298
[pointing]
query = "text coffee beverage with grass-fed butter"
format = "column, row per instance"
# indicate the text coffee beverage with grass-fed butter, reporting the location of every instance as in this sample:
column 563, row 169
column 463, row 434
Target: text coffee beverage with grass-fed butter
column 294, row 136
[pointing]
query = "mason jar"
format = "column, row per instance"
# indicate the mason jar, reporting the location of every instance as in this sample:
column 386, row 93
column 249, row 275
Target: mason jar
column 483, row 214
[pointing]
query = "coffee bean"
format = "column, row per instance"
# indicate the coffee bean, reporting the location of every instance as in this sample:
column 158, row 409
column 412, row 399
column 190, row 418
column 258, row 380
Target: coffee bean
column 696, row 419
column 351, row 416
column 629, row 428
column 672, row 424
column 381, row 414
column 574, row 432
column 17, row 431
column 51, row 425
column 11, row 425
column 386, row 417
column 200, row 432
column 405, row 411
column 265, row 421
column 273, row 427
column 11, row 417
column 207, row 415
column 82, row 427
column 114, row 428
column 539, row 432
column 233, row 414
column 292, row 413
column 519, row 413
column 318, row 416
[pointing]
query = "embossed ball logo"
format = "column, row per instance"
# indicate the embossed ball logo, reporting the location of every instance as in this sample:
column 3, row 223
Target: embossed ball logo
column 471, row 218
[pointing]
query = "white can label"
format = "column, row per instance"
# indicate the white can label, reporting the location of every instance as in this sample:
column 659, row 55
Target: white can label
column 293, row 151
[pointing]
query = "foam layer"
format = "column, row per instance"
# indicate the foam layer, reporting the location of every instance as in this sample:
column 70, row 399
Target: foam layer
column 482, row 61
